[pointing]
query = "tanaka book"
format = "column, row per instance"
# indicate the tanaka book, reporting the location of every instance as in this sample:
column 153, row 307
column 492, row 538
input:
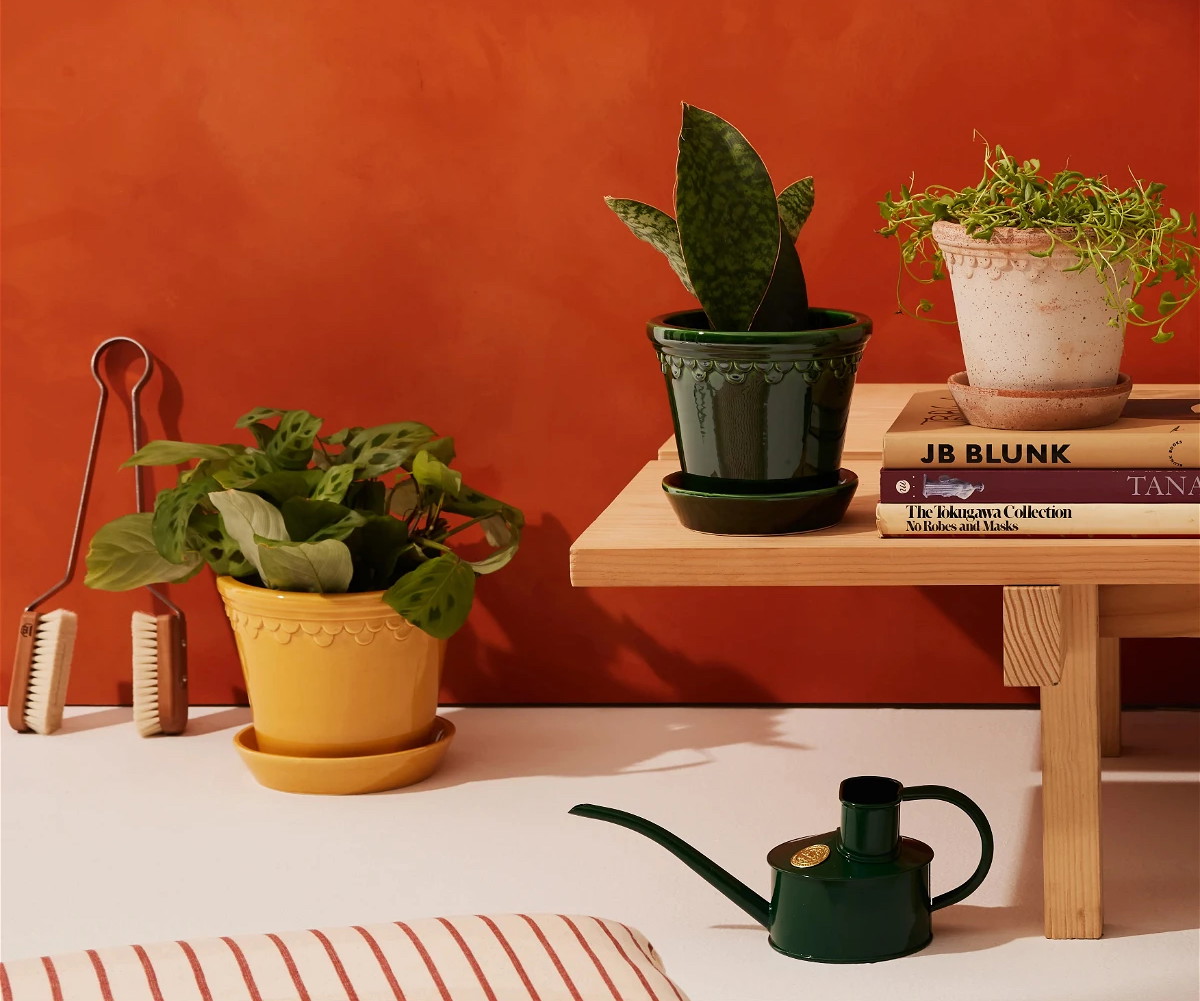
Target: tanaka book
column 1040, row 486
column 954, row 519
column 931, row 433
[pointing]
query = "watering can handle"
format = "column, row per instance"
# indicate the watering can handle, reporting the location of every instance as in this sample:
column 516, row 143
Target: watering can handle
column 968, row 807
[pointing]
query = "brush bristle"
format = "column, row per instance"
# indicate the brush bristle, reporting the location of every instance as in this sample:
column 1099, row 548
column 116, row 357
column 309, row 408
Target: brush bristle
column 145, row 674
column 53, row 645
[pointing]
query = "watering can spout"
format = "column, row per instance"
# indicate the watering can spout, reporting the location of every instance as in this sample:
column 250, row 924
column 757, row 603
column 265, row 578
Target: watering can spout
column 702, row 865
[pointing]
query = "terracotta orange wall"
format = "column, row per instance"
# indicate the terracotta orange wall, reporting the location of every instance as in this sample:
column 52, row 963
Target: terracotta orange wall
column 392, row 210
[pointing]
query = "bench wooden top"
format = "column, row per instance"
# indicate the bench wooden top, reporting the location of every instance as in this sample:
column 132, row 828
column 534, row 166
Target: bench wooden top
column 637, row 541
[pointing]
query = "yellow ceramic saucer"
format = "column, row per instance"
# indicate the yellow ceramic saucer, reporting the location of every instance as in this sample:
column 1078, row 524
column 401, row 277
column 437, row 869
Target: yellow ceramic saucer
column 346, row 776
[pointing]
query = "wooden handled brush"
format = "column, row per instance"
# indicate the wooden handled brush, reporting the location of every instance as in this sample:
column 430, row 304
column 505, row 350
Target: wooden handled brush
column 40, row 671
column 160, row 692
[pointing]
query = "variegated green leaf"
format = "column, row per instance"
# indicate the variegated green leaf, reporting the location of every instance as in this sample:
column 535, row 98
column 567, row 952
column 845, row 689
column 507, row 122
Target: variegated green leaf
column 335, row 481
column 263, row 433
column 436, row 596
column 379, row 450
column 322, row 567
column 655, row 227
column 256, row 415
column 244, row 469
column 795, row 204
column 122, row 556
column 292, row 445
column 310, row 520
column 376, row 549
column 173, row 512
column 172, row 453
column 281, row 485
column 431, row 472
column 342, row 437
column 247, row 516
column 208, row 537
column 728, row 219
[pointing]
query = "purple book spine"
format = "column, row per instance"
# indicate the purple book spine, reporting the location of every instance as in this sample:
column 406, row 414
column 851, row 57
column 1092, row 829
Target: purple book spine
column 1058, row 486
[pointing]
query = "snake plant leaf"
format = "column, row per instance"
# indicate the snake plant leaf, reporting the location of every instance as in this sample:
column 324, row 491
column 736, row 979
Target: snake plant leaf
column 431, row 472
column 334, row 483
column 172, row 453
column 291, row 446
column 728, row 219
column 309, row 520
column 208, row 537
column 795, row 204
column 321, row 567
column 655, row 227
column 173, row 513
column 785, row 306
column 436, row 596
column 122, row 556
column 247, row 516
column 256, row 415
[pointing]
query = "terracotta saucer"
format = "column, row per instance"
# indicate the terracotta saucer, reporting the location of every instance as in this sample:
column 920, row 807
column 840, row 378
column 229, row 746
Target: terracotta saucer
column 1039, row 409
column 759, row 514
column 346, row 776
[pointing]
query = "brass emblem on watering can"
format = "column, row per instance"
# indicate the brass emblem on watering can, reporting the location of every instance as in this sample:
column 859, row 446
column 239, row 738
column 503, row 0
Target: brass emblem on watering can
column 859, row 894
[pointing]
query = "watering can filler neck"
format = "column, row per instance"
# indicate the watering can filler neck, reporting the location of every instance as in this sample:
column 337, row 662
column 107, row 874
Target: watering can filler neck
column 857, row 894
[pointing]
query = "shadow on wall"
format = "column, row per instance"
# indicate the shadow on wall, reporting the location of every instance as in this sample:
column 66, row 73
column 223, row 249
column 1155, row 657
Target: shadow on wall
column 570, row 629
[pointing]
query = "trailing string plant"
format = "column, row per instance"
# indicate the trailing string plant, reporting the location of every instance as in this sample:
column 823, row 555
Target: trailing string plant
column 364, row 509
column 1102, row 225
column 733, row 241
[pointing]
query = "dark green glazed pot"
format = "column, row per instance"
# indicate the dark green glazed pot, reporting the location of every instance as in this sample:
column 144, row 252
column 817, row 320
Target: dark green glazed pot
column 760, row 411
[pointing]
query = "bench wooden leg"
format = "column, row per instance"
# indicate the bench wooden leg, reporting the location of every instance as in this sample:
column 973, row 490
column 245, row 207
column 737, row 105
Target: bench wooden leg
column 1071, row 774
column 1109, row 653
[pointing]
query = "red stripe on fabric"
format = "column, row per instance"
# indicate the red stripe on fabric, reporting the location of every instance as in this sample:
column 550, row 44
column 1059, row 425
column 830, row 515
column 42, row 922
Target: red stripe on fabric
column 197, row 971
column 541, row 936
column 533, row 994
column 151, row 976
column 632, row 965
column 384, row 965
column 52, row 976
column 650, row 958
column 244, row 966
column 483, row 981
column 433, row 971
column 595, row 959
column 351, row 993
column 290, row 963
column 5, row 986
column 101, row 974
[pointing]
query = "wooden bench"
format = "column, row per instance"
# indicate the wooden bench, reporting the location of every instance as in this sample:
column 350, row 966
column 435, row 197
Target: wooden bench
column 1067, row 603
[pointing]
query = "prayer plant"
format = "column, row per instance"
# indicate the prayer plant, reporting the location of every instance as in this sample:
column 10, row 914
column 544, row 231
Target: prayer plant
column 364, row 509
column 733, row 241
column 1103, row 225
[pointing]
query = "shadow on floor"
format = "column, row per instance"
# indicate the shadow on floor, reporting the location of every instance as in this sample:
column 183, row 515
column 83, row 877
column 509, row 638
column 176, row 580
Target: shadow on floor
column 489, row 746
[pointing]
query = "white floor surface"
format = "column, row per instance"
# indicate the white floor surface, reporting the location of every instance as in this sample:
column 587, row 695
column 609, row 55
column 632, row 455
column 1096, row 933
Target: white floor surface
column 109, row 839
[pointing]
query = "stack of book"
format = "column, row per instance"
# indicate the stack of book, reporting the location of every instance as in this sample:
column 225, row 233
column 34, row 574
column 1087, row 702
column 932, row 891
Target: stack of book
column 1137, row 477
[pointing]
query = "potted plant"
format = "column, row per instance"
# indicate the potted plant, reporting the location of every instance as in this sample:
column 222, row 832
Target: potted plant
column 1045, row 273
column 333, row 558
column 759, row 382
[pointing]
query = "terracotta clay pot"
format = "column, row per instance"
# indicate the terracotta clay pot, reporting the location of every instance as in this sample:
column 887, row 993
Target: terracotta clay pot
column 333, row 675
column 1026, row 322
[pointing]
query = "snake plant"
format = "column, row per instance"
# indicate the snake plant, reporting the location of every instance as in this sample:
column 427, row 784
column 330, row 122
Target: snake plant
column 732, row 241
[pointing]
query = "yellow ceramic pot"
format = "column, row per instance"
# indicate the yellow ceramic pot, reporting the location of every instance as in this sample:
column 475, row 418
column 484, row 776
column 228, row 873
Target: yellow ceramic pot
column 333, row 675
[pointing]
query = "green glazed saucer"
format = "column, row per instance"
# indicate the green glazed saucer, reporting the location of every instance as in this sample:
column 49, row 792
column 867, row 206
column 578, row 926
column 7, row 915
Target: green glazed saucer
column 759, row 514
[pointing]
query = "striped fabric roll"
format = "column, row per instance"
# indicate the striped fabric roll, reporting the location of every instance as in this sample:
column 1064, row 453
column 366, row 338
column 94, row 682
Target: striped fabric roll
column 509, row 957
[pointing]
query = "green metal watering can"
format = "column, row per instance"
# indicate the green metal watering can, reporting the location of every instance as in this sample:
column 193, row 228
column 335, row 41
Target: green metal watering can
column 859, row 894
